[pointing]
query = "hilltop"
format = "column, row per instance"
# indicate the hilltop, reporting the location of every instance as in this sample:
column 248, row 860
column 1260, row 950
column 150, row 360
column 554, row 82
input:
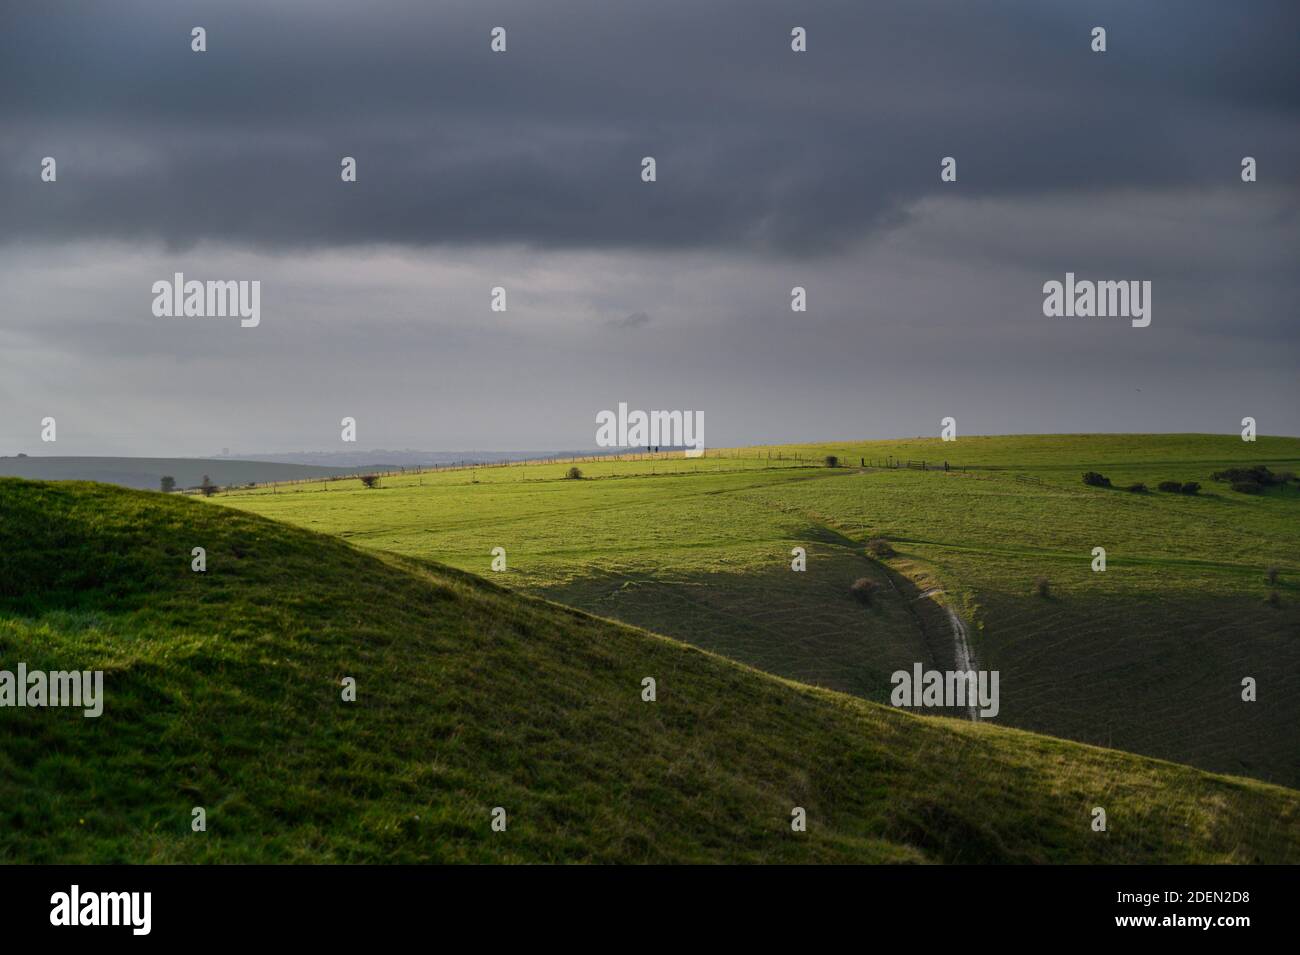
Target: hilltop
column 223, row 691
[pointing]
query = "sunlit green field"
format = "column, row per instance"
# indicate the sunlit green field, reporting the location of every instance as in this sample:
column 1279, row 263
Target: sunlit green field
column 1147, row 656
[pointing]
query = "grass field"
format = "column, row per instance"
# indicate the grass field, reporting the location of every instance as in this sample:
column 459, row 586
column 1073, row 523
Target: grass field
column 223, row 691
column 1147, row 656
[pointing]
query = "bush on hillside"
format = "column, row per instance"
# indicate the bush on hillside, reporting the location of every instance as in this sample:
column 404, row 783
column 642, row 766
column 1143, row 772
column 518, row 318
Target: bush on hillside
column 1138, row 488
column 863, row 589
column 573, row 474
column 1274, row 599
column 1272, row 573
column 1093, row 479
column 1191, row 487
column 1252, row 479
column 1042, row 587
column 1171, row 487
column 370, row 480
column 832, row 461
column 879, row 547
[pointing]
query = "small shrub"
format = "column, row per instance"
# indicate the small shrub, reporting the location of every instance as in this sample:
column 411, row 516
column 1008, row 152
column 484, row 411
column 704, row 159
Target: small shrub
column 832, row 461
column 1274, row 599
column 1138, row 488
column 1042, row 587
column 207, row 487
column 1093, row 479
column 1259, row 476
column 167, row 484
column 1248, row 487
column 1191, row 487
column 370, row 480
column 1272, row 573
column 879, row 547
column 1171, row 487
column 573, row 474
column 863, row 590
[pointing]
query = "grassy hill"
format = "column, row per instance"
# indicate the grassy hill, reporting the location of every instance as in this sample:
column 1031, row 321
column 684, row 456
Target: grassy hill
column 1147, row 656
column 222, row 691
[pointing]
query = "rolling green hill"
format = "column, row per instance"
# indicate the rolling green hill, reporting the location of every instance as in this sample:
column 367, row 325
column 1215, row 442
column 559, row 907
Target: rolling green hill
column 1148, row 656
column 223, row 691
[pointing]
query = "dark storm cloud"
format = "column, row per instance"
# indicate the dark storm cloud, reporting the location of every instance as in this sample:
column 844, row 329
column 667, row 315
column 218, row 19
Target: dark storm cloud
column 522, row 170
column 757, row 147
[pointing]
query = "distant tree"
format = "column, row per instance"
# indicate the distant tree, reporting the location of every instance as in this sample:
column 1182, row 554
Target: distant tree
column 1093, row 479
column 167, row 484
column 207, row 487
column 832, row 461
column 370, row 480
column 1138, row 488
column 1172, row 487
column 1042, row 586
column 1191, row 487
column 574, row 474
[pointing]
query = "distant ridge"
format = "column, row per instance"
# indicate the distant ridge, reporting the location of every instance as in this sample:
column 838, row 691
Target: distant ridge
column 382, row 457
column 145, row 473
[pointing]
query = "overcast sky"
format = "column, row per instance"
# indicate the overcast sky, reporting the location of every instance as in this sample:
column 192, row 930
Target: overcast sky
column 523, row 170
